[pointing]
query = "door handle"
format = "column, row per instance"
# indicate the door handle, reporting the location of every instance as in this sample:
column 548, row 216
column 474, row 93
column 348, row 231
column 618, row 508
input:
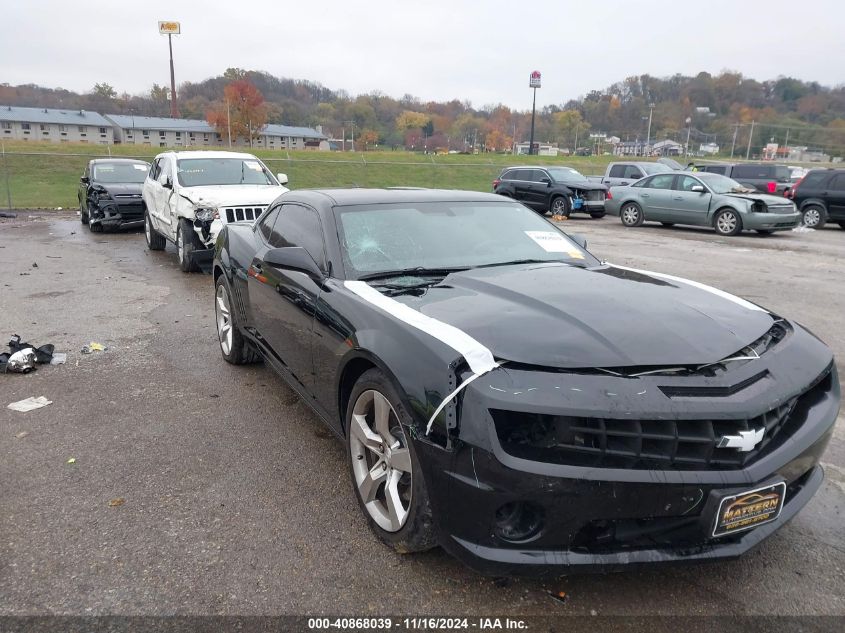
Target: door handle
column 644, row 195
column 678, row 198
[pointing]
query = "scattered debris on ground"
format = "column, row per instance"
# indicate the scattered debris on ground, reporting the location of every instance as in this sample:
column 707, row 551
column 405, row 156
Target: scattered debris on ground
column 117, row 501
column 28, row 404
column 93, row 347
column 558, row 596
column 24, row 357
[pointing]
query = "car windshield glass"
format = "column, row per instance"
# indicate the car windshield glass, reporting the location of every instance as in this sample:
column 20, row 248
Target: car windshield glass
column 448, row 235
column 197, row 172
column 120, row 172
column 655, row 168
column 566, row 174
column 723, row 184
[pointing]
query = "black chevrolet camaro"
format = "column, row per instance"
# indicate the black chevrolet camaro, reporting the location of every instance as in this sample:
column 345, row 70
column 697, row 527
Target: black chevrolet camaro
column 506, row 395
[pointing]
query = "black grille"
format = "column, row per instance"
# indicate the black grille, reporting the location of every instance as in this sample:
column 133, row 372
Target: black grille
column 647, row 444
column 239, row 214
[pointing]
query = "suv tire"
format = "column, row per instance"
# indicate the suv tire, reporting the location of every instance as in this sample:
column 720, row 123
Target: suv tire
column 813, row 216
column 186, row 244
column 155, row 240
column 560, row 206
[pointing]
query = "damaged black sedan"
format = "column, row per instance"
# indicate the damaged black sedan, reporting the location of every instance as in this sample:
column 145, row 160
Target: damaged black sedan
column 109, row 193
column 504, row 394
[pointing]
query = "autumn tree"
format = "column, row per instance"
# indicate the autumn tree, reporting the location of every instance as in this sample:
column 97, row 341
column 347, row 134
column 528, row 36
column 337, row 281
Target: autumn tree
column 410, row 120
column 497, row 141
column 243, row 113
column 366, row 137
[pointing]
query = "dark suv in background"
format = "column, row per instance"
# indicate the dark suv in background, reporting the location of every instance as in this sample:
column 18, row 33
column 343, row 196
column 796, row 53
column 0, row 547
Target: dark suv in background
column 560, row 190
column 764, row 177
column 820, row 196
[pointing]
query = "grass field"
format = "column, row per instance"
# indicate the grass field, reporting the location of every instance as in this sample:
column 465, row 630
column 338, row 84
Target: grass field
column 46, row 175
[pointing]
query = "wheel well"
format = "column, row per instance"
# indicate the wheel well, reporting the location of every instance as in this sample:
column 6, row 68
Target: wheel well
column 720, row 209
column 217, row 272
column 813, row 203
column 353, row 370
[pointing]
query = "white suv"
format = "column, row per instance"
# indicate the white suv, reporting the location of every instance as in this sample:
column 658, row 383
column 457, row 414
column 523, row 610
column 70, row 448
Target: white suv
column 189, row 196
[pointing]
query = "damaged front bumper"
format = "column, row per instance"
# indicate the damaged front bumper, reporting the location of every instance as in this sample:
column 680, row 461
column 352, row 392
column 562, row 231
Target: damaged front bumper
column 507, row 504
column 113, row 214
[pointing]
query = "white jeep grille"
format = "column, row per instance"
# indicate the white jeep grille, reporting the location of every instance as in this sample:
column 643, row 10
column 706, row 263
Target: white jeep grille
column 240, row 214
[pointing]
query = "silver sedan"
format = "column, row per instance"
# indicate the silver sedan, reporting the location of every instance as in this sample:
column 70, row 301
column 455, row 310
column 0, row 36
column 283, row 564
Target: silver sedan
column 701, row 199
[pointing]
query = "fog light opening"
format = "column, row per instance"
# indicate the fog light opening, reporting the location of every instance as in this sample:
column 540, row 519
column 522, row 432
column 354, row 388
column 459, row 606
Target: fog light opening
column 518, row 521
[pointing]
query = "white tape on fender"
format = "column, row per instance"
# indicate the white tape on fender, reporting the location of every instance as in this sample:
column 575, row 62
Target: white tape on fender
column 479, row 358
column 689, row 282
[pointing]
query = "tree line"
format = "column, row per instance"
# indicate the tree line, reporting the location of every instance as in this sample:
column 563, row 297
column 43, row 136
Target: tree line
column 705, row 108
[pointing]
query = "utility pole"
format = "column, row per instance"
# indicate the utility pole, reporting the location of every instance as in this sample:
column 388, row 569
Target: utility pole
column 534, row 83
column 733, row 142
column 750, row 135
column 786, row 142
column 689, row 129
column 229, row 122
column 170, row 29
column 648, row 134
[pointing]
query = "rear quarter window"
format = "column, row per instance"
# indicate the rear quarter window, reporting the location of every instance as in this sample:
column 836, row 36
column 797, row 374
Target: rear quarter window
column 617, row 171
column 750, row 171
column 813, row 180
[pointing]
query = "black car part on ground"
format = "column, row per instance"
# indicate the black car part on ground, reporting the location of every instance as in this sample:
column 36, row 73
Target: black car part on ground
column 590, row 441
column 40, row 355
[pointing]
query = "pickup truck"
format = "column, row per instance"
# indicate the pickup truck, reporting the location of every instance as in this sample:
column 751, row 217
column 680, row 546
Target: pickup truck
column 624, row 173
column 189, row 196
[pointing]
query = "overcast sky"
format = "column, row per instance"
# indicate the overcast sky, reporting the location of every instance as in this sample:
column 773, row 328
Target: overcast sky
column 481, row 51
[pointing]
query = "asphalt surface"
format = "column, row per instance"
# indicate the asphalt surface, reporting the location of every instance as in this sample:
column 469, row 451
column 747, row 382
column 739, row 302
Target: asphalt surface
column 236, row 500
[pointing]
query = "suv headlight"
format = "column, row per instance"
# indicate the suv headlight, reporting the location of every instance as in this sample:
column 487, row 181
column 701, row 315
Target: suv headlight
column 206, row 214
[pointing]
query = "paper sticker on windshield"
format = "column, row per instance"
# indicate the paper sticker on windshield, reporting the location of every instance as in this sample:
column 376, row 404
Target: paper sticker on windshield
column 553, row 242
column 140, row 167
column 253, row 164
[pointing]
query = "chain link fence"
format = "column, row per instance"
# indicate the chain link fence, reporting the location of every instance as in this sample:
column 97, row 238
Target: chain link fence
column 44, row 179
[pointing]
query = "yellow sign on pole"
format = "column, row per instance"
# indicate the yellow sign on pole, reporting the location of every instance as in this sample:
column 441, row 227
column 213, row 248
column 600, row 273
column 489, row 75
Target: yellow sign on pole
column 169, row 28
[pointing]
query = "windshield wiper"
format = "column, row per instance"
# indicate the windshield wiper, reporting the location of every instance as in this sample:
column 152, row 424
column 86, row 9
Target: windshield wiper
column 419, row 271
column 535, row 261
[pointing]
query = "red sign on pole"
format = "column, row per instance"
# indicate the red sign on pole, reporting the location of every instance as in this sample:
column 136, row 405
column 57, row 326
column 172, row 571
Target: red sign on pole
column 534, row 80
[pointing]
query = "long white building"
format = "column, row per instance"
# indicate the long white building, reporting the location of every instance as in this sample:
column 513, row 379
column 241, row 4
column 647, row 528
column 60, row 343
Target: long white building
column 54, row 126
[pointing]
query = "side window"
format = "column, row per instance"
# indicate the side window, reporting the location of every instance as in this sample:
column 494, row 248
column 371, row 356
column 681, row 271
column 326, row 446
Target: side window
column 519, row 174
column 661, row 181
column 266, row 224
column 633, row 172
column 509, row 175
column 617, row 171
column 714, row 169
column 163, row 170
column 153, row 173
column 686, row 183
column 299, row 226
column 838, row 183
column 537, row 175
column 814, row 179
column 749, row 171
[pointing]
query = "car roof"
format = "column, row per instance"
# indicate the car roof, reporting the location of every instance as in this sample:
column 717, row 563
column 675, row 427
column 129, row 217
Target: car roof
column 119, row 160
column 355, row 196
column 209, row 154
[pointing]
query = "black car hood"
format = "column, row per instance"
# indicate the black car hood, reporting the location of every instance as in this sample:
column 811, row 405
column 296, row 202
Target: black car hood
column 556, row 315
column 120, row 188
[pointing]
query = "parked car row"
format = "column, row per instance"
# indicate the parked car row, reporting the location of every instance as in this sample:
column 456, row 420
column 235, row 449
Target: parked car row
column 381, row 308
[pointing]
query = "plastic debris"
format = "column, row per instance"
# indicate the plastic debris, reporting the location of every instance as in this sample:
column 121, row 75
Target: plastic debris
column 21, row 362
column 21, row 435
column 117, row 501
column 802, row 229
column 93, row 347
column 71, row 460
column 28, row 404
column 59, row 358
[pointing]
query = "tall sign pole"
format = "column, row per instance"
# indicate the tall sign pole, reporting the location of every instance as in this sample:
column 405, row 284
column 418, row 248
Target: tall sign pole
column 534, row 83
column 170, row 29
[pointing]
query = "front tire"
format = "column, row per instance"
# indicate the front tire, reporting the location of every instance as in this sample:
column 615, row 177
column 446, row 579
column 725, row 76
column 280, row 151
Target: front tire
column 186, row 244
column 384, row 468
column 631, row 214
column 813, row 216
column 560, row 206
column 83, row 213
column 155, row 240
column 235, row 349
column 727, row 222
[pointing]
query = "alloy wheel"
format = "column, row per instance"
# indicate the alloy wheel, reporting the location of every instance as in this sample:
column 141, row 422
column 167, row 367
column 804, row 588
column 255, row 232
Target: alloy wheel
column 147, row 233
column 811, row 217
column 223, row 312
column 558, row 206
column 726, row 222
column 630, row 214
column 381, row 460
column 180, row 245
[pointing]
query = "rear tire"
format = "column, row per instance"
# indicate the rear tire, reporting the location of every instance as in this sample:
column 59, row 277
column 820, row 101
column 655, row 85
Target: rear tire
column 560, row 206
column 234, row 348
column 155, row 240
column 405, row 529
column 631, row 214
column 186, row 244
column 813, row 216
column 727, row 222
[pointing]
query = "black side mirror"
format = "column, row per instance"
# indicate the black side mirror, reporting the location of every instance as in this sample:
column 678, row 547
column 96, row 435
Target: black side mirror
column 168, row 184
column 294, row 258
column 84, row 180
column 546, row 180
column 580, row 240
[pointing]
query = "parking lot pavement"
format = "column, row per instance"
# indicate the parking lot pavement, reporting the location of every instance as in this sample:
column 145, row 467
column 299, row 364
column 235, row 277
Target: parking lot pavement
column 237, row 501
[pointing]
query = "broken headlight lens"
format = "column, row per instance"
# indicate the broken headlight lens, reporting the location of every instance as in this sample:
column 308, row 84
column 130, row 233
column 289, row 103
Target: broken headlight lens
column 207, row 214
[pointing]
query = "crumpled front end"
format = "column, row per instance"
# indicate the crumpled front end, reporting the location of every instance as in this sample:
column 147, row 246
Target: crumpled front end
column 115, row 210
column 554, row 471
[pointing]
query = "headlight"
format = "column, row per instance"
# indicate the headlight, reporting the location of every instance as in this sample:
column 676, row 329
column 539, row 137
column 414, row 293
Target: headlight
column 207, row 214
column 102, row 194
column 759, row 207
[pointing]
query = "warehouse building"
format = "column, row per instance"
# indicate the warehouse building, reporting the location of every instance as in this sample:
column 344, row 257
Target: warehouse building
column 54, row 126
